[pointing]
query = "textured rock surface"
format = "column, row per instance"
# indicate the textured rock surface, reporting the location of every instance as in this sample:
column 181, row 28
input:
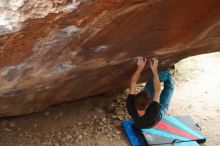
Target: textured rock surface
column 63, row 50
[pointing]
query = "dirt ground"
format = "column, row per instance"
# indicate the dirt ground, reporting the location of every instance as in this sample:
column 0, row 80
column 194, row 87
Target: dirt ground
column 96, row 121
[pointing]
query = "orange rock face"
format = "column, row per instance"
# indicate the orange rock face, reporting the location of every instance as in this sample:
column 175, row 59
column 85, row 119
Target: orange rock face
column 63, row 50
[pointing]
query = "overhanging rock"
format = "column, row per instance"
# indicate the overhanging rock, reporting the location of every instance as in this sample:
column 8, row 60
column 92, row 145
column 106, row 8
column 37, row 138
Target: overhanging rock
column 63, row 50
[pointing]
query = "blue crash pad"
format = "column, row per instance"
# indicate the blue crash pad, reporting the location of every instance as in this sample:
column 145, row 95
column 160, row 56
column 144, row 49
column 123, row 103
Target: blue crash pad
column 171, row 131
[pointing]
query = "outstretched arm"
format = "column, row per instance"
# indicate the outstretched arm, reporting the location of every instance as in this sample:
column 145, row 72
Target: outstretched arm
column 140, row 66
column 157, row 88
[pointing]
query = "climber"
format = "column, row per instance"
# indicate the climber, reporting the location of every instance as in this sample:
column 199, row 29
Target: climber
column 149, row 106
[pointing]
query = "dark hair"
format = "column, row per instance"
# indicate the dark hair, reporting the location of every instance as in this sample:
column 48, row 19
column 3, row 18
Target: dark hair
column 141, row 100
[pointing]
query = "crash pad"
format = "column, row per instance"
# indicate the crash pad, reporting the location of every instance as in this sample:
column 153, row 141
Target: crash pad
column 172, row 130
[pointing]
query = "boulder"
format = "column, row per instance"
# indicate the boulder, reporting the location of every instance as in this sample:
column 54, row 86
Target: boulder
column 54, row 51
